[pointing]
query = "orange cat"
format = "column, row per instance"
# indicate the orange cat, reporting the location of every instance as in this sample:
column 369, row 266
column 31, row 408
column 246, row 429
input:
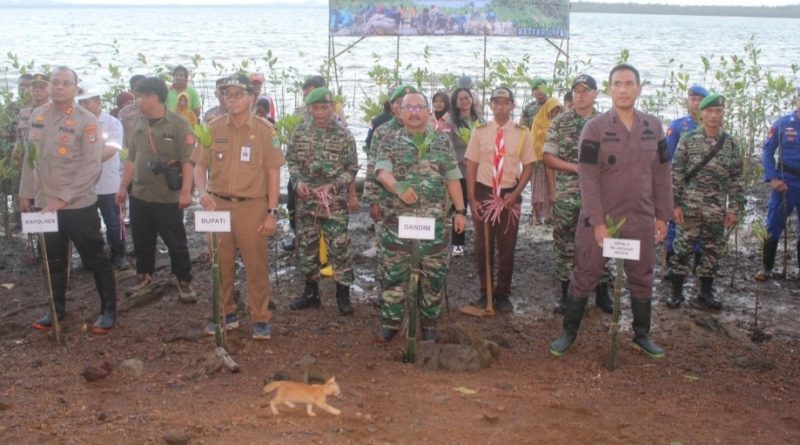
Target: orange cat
column 290, row 393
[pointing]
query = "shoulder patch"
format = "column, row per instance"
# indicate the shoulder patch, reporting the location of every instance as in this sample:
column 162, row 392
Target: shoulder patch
column 589, row 152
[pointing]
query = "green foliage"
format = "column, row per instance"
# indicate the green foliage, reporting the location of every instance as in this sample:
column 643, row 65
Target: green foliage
column 286, row 125
column 203, row 135
column 422, row 141
column 614, row 227
column 465, row 133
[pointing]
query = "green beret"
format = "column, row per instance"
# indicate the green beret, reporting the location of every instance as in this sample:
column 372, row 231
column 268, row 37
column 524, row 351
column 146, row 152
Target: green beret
column 537, row 82
column 712, row 100
column 319, row 96
column 401, row 91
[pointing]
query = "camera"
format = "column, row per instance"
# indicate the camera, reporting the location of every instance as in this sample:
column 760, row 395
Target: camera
column 157, row 165
column 170, row 168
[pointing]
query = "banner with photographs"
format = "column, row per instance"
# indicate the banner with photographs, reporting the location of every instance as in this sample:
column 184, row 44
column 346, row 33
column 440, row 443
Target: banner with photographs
column 522, row 18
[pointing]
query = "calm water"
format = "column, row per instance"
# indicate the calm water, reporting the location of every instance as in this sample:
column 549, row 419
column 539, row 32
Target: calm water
column 298, row 38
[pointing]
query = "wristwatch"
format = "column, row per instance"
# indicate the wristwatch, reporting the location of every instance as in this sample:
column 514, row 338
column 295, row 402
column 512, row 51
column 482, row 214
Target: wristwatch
column 273, row 212
column 461, row 212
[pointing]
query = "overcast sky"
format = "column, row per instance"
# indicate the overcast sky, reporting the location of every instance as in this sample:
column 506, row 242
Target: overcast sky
column 324, row 2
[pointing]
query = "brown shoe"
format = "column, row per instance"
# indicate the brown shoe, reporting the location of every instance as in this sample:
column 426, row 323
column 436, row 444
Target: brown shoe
column 143, row 281
column 186, row 293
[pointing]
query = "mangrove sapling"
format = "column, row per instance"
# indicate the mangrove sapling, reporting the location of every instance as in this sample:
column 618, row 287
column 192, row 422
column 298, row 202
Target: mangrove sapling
column 614, row 229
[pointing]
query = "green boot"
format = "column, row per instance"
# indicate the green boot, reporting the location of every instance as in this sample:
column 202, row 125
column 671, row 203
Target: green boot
column 573, row 313
column 641, row 328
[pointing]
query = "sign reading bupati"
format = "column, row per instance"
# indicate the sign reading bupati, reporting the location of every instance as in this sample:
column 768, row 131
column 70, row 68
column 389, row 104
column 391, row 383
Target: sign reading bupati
column 626, row 249
column 39, row 222
column 205, row 221
column 414, row 227
column 524, row 18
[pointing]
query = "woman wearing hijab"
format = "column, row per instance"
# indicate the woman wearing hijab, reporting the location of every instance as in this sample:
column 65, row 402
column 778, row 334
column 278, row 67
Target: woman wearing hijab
column 441, row 106
column 182, row 108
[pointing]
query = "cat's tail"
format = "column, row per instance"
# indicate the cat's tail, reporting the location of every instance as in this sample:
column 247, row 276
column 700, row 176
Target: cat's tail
column 272, row 387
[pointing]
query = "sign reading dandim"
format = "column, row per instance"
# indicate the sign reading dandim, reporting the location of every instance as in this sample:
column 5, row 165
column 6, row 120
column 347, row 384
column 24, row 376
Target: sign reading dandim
column 524, row 18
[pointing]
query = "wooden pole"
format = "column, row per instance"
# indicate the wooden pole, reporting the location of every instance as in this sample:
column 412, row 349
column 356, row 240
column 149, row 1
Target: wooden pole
column 53, row 313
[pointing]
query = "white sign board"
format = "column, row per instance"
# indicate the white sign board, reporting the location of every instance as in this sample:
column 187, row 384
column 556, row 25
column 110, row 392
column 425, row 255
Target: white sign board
column 205, row 221
column 626, row 249
column 39, row 222
column 413, row 227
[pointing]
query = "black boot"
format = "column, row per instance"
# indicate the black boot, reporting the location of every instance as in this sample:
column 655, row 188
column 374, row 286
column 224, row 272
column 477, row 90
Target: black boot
column 573, row 313
column 343, row 299
column 602, row 299
column 768, row 252
column 310, row 297
column 641, row 328
column 502, row 303
column 428, row 328
column 668, row 274
column 676, row 299
column 562, row 299
column 107, row 288
column 707, row 294
column 58, row 281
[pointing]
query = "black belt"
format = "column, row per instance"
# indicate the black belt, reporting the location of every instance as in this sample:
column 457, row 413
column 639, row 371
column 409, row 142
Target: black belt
column 794, row 171
column 230, row 198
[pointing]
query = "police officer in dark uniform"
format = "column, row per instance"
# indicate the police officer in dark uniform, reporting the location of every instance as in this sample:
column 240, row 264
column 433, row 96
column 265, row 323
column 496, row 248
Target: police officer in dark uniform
column 60, row 168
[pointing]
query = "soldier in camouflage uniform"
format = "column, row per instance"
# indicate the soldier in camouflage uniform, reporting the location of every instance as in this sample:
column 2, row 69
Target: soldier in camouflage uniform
column 415, row 181
column 561, row 153
column 707, row 171
column 322, row 160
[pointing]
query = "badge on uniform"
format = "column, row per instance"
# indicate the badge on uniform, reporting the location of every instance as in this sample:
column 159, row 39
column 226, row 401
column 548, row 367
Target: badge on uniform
column 219, row 155
column 62, row 151
column 245, row 157
column 63, row 139
column 39, row 118
column 70, row 122
column 91, row 132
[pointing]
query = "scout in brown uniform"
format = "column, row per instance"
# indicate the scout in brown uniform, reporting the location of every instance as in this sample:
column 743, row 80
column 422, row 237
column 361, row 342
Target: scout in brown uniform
column 159, row 167
column 58, row 173
column 243, row 169
column 623, row 172
column 515, row 161
column 39, row 96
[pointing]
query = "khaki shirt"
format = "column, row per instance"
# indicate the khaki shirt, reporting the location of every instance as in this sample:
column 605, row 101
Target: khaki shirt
column 519, row 151
column 66, row 159
column 23, row 126
column 239, row 158
column 173, row 139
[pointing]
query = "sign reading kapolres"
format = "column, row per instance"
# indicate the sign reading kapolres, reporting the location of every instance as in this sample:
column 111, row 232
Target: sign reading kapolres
column 524, row 18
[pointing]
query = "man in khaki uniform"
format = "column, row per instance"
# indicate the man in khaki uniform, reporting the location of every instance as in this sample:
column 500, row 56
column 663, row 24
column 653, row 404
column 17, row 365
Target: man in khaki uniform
column 58, row 173
column 243, row 170
column 160, row 170
column 499, row 162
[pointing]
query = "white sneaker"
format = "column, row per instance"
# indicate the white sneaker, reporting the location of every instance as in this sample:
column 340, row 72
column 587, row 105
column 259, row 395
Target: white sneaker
column 458, row 250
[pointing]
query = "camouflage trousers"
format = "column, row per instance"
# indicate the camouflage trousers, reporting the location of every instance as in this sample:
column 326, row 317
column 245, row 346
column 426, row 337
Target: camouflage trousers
column 565, row 218
column 397, row 268
column 709, row 231
column 334, row 229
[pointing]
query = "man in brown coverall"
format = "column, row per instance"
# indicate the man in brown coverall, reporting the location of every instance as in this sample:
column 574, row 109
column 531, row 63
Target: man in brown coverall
column 623, row 172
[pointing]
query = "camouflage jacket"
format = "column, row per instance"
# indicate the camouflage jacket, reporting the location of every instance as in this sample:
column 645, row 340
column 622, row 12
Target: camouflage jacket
column 528, row 113
column 712, row 186
column 427, row 173
column 562, row 141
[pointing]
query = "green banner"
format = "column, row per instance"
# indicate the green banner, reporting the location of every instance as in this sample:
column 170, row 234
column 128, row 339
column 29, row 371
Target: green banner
column 522, row 18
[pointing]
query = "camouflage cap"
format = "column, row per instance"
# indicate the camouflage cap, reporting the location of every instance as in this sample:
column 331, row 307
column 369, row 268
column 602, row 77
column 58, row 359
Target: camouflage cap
column 537, row 82
column 319, row 96
column 712, row 100
column 40, row 78
column 238, row 81
column 401, row 91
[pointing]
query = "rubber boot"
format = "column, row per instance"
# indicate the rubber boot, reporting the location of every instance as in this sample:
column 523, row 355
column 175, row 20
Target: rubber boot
column 602, row 299
column 562, row 299
column 668, row 274
column 641, row 328
column 107, row 288
column 768, row 252
column 428, row 328
column 573, row 313
column 676, row 299
column 707, row 294
column 58, row 281
column 310, row 297
column 343, row 299
column 503, row 304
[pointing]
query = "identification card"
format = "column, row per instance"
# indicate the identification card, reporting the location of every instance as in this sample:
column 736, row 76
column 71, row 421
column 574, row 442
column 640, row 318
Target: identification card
column 38, row 222
column 205, row 221
column 626, row 249
column 414, row 227
column 245, row 153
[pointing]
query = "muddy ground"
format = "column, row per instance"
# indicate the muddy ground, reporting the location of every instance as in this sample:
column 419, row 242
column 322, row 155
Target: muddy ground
column 715, row 385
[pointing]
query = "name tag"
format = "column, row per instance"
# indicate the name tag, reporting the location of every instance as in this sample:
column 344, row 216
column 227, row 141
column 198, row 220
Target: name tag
column 626, row 249
column 413, row 227
column 245, row 153
column 205, row 221
column 38, row 222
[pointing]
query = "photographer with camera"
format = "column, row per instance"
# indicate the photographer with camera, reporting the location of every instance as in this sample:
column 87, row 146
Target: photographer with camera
column 159, row 166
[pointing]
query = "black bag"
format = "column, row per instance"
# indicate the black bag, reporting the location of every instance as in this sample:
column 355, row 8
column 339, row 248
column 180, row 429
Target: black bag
column 173, row 173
